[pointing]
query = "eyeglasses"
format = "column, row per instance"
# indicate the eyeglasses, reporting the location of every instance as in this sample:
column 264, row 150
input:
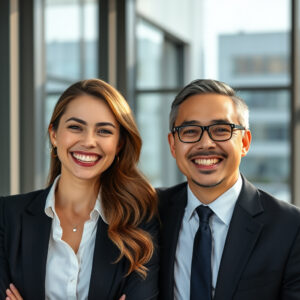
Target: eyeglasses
column 217, row 132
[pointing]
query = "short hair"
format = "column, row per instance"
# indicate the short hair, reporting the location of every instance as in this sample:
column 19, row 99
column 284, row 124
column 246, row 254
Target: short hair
column 209, row 86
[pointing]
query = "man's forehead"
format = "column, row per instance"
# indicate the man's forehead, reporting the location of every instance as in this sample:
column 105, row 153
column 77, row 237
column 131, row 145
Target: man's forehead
column 207, row 109
column 209, row 97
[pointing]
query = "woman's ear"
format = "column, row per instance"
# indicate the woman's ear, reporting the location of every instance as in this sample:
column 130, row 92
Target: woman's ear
column 52, row 135
column 120, row 145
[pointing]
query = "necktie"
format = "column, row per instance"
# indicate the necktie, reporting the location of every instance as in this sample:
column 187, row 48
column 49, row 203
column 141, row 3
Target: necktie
column 201, row 275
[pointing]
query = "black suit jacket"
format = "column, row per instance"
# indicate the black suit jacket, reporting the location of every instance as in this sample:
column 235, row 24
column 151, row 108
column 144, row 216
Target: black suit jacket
column 24, row 238
column 261, row 256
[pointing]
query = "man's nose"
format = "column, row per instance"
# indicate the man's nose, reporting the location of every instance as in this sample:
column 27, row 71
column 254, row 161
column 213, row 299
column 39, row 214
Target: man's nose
column 205, row 141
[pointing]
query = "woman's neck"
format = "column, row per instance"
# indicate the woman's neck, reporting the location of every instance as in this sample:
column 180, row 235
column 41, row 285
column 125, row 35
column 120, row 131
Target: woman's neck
column 76, row 195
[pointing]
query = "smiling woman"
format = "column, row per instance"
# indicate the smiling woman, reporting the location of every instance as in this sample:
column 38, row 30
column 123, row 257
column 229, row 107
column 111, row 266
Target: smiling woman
column 88, row 135
column 96, row 223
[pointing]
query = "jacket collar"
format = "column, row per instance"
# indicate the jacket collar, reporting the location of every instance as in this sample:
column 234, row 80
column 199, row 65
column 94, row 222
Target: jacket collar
column 243, row 233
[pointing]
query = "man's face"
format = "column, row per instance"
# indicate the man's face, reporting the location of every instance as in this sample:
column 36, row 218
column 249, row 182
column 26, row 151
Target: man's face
column 209, row 164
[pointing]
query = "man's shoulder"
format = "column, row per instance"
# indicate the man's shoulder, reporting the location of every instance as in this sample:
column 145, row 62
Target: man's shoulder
column 279, row 208
column 166, row 192
column 264, row 201
column 170, row 196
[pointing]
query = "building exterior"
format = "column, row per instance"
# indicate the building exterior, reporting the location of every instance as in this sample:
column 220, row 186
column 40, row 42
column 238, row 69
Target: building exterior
column 259, row 67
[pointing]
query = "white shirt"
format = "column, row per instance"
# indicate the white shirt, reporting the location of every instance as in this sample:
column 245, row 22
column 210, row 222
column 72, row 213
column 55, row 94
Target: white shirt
column 223, row 208
column 67, row 273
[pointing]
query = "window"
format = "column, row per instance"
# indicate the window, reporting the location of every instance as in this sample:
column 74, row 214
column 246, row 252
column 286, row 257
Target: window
column 253, row 57
column 260, row 65
column 159, row 77
column 71, row 52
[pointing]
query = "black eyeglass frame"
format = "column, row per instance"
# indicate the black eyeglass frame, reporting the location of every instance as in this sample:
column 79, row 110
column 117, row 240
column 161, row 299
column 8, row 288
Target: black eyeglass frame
column 206, row 128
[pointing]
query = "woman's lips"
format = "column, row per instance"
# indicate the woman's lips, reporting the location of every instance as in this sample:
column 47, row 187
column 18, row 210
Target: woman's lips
column 85, row 159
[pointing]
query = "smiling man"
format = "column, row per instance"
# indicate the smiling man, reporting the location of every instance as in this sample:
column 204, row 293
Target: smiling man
column 222, row 238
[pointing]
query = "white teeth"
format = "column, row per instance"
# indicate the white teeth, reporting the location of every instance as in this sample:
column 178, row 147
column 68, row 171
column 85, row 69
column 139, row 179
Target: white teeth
column 85, row 158
column 206, row 162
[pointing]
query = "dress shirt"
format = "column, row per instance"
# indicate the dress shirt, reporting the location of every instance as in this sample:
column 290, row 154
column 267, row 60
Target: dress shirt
column 68, row 273
column 223, row 208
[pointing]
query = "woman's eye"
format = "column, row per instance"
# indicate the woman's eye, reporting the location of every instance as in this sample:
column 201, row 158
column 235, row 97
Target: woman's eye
column 104, row 132
column 74, row 127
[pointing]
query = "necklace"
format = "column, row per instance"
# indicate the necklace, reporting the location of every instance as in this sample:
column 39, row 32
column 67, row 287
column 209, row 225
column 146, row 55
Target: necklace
column 74, row 227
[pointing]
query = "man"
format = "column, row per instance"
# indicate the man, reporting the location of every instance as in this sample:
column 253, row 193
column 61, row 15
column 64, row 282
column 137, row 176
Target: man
column 246, row 245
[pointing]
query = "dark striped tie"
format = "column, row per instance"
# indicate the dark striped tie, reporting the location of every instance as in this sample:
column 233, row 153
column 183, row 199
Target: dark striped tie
column 201, row 274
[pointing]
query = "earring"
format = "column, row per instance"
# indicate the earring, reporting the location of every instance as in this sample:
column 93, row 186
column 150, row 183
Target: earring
column 53, row 151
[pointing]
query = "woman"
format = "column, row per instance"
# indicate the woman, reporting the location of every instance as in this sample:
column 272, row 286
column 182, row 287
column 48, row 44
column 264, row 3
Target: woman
column 91, row 234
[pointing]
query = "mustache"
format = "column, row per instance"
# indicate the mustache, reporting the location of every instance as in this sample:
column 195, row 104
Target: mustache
column 206, row 153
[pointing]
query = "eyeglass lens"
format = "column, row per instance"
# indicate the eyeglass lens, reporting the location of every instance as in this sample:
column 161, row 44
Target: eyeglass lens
column 217, row 132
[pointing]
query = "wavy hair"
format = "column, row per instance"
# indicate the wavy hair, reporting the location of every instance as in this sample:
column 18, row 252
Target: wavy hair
column 127, row 197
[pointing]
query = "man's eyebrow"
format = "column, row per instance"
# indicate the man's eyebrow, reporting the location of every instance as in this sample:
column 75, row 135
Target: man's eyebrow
column 85, row 123
column 220, row 121
column 192, row 122
column 195, row 122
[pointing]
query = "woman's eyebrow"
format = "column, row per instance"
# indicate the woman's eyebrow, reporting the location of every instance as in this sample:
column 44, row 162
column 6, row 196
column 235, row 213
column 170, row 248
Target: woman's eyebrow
column 105, row 124
column 85, row 123
column 76, row 120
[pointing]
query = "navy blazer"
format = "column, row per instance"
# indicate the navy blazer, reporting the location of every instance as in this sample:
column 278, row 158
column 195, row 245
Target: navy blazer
column 24, row 238
column 261, row 256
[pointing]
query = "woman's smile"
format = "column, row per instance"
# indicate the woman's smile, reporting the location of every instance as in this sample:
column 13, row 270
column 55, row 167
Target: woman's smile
column 85, row 159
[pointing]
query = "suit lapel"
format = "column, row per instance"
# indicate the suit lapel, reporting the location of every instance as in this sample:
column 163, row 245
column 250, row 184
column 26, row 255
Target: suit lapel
column 104, row 268
column 36, row 227
column 242, row 236
column 169, row 238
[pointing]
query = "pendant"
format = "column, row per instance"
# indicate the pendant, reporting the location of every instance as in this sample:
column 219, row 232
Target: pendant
column 74, row 229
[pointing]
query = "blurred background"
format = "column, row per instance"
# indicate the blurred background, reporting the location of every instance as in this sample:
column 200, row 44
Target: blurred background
column 149, row 49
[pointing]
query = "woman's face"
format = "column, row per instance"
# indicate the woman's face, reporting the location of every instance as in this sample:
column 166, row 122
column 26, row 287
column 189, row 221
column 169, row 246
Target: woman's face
column 87, row 138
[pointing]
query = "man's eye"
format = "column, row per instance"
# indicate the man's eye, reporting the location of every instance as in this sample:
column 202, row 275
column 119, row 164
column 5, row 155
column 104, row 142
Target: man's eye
column 222, row 130
column 190, row 131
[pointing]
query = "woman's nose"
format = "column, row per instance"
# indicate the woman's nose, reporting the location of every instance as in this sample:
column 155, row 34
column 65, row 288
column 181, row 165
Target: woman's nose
column 89, row 139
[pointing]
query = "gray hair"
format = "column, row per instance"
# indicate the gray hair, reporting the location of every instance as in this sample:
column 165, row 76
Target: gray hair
column 209, row 86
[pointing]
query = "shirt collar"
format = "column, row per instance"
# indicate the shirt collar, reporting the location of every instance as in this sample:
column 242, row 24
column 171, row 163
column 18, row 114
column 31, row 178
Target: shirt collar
column 222, row 207
column 50, row 204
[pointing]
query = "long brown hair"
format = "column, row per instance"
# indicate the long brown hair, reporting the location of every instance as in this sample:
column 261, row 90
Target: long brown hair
column 127, row 198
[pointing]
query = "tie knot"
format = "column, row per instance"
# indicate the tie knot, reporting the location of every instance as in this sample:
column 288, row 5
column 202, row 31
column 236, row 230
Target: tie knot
column 204, row 213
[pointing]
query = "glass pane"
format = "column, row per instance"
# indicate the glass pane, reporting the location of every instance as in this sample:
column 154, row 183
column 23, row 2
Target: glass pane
column 266, row 63
column 71, row 41
column 153, row 122
column 157, row 58
column 250, row 48
column 70, row 45
column 269, row 172
column 268, row 161
column 243, row 34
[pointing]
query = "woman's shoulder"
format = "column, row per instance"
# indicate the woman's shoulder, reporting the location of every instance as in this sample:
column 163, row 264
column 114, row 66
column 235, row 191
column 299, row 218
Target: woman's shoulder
column 19, row 201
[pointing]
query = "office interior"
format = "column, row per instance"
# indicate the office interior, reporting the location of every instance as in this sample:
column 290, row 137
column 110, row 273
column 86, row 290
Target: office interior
column 149, row 49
